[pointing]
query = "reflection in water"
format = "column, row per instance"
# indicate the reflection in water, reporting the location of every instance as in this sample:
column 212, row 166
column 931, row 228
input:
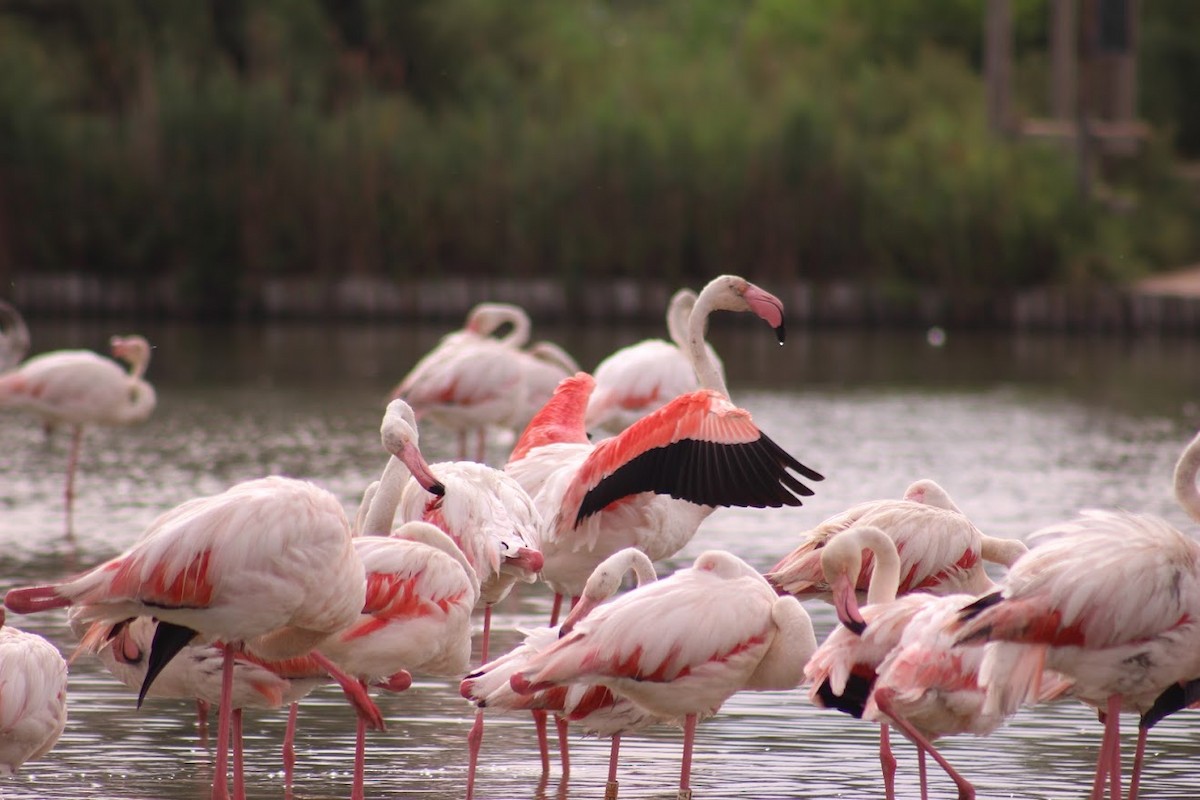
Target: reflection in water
column 1022, row 431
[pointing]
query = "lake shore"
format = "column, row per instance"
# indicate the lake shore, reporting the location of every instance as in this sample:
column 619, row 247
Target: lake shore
column 1165, row 304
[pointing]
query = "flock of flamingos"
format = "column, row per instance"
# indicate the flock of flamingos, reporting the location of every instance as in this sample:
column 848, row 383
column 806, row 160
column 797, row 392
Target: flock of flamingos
column 252, row 597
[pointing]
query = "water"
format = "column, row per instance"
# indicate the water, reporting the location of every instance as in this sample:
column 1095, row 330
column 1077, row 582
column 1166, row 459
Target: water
column 1022, row 431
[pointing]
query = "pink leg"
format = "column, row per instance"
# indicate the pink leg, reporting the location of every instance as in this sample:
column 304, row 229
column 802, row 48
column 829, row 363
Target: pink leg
column 539, row 724
column 1114, row 755
column 289, row 750
column 555, row 609
column 202, row 721
column 1103, row 760
column 487, row 632
column 685, row 772
column 462, row 445
column 883, row 699
column 610, row 788
column 481, row 445
column 923, row 776
column 354, row 691
column 72, row 464
column 564, row 746
column 360, row 757
column 474, row 740
column 239, row 758
column 1139, row 759
column 887, row 763
column 219, row 790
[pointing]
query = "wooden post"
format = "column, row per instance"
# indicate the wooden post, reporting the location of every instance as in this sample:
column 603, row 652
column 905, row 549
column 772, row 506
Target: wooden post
column 997, row 64
column 1063, row 56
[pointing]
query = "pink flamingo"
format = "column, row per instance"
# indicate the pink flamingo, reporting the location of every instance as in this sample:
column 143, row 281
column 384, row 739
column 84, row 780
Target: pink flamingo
column 196, row 673
column 593, row 707
column 681, row 646
column 1113, row 603
column 651, row 486
column 471, row 381
column 893, row 661
column 941, row 550
column 487, row 515
column 80, row 388
column 641, row 377
column 33, row 697
column 267, row 566
column 417, row 616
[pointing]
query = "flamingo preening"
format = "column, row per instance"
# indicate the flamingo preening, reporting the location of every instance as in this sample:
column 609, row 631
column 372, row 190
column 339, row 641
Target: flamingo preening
column 1111, row 600
column 33, row 697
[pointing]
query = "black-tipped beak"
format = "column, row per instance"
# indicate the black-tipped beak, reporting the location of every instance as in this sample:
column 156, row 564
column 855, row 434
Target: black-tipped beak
column 438, row 490
column 856, row 627
column 780, row 333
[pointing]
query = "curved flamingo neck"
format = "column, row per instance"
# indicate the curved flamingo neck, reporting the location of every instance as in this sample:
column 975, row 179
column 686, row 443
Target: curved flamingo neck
column 1185, row 479
column 844, row 554
column 696, row 347
column 678, row 313
column 381, row 513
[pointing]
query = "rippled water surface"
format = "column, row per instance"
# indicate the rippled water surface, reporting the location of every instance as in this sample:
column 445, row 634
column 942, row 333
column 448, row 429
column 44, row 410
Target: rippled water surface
column 1022, row 431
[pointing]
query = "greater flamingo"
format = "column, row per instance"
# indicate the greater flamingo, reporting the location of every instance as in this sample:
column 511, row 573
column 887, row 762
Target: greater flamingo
column 472, row 381
column 593, row 707
column 14, row 337
column 637, row 379
column 681, row 646
column 1111, row 600
column 892, row 661
column 487, row 514
column 33, row 697
column 941, row 550
column 651, row 486
column 268, row 566
column 80, row 388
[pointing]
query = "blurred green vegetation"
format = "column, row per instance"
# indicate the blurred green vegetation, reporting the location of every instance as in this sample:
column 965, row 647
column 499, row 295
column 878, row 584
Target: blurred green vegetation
column 229, row 141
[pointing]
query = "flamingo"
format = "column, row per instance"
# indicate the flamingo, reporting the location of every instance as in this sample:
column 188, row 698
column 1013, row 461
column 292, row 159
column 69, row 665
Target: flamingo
column 14, row 337
column 940, row 548
column 33, row 697
column 593, row 707
column 267, row 566
column 81, row 388
column 487, row 515
column 642, row 377
column 651, row 486
column 681, row 646
column 196, row 673
column 417, row 616
column 471, row 380
column 892, row 661
column 1110, row 599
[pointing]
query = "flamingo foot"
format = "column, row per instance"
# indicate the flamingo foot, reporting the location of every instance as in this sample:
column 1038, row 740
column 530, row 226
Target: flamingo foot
column 354, row 691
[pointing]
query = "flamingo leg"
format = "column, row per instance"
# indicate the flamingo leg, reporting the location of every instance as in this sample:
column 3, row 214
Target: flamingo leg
column 887, row 763
column 1102, row 759
column 462, row 445
column 923, row 776
column 360, row 756
column 555, row 609
column 1114, row 754
column 539, row 724
column 219, row 790
column 685, row 771
column 474, row 740
column 610, row 788
column 202, row 721
column 883, row 699
column 354, row 691
column 72, row 465
column 289, row 750
column 1139, row 759
column 481, row 445
column 564, row 746
column 239, row 757
column 487, row 632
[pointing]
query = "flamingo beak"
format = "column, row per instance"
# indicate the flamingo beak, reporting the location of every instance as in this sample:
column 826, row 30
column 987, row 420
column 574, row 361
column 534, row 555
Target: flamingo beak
column 846, row 603
column 581, row 610
column 412, row 458
column 767, row 306
column 527, row 557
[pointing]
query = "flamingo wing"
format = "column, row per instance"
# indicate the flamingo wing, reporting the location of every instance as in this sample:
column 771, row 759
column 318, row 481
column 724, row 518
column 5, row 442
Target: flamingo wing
column 700, row 448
